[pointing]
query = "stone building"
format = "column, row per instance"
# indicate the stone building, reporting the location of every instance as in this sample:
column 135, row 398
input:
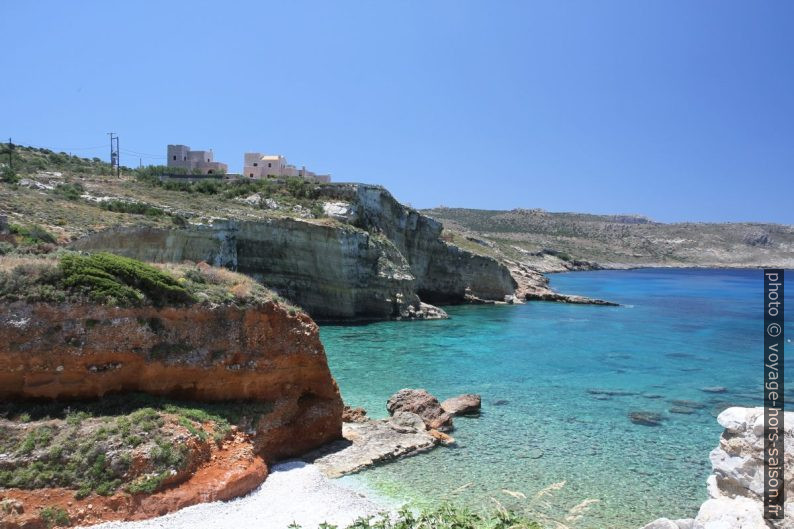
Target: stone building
column 180, row 156
column 257, row 165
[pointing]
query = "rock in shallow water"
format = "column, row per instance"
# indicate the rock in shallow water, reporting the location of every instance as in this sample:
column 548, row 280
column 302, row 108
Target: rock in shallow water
column 407, row 422
column 422, row 403
column 462, row 404
column 372, row 442
column 646, row 418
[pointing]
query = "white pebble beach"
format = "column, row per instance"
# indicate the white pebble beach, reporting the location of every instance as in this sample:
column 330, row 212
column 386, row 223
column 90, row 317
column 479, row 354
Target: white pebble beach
column 294, row 491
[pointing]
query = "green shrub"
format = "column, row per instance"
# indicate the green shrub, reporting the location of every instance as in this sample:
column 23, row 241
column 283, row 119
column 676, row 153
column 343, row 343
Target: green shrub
column 135, row 208
column 6, row 248
column 70, row 191
column 106, row 277
column 53, row 516
column 208, row 187
column 9, row 176
column 32, row 234
column 444, row 517
column 302, row 188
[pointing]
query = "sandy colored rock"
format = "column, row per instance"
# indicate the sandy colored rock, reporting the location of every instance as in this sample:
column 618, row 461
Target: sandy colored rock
column 462, row 404
column 372, row 442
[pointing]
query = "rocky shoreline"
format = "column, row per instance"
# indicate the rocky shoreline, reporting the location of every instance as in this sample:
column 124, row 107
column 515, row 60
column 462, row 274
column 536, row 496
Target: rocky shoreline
column 735, row 487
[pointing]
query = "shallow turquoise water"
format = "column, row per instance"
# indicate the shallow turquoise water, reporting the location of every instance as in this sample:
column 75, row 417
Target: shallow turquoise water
column 677, row 332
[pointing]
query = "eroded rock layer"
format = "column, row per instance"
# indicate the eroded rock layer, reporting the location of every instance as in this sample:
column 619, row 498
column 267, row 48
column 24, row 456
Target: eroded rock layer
column 198, row 352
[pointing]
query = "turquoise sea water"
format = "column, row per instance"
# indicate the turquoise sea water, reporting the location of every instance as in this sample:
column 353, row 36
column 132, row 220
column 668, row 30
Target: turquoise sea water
column 677, row 332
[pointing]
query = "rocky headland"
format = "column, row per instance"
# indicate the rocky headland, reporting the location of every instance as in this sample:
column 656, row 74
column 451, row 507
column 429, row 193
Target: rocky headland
column 735, row 487
column 548, row 242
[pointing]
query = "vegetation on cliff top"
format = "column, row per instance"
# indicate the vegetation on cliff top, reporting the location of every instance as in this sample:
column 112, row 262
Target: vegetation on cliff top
column 90, row 446
column 69, row 197
column 114, row 280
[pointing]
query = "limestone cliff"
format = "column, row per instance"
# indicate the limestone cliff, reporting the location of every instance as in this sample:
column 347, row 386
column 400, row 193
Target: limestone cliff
column 736, row 487
column 376, row 259
column 444, row 272
column 199, row 352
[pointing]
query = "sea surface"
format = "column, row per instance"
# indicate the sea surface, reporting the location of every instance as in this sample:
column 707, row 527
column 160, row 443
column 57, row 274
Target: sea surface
column 558, row 383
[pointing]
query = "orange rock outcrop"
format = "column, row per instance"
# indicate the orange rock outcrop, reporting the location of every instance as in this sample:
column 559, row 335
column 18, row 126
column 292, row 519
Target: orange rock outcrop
column 198, row 352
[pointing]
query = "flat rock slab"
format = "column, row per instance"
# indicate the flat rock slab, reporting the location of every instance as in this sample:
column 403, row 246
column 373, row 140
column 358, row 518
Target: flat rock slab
column 369, row 443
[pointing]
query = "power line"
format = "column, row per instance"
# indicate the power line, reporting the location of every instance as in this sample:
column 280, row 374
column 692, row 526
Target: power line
column 145, row 155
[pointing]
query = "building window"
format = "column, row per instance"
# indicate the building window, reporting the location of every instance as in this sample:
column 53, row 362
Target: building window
column 208, row 159
column 251, row 175
column 175, row 157
column 209, row 172
column 255, row 164
column 269, row 164
column 184, row 158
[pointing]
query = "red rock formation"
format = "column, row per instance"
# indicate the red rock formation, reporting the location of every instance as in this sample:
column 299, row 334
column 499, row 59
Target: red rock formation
column 198, row 352
column 230, row 471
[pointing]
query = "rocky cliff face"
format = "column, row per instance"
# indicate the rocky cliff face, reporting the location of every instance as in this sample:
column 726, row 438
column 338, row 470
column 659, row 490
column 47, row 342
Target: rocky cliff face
column 375, row 261
column 333, row 272
column 444, row 273
column 736, row 486
column 197, row 352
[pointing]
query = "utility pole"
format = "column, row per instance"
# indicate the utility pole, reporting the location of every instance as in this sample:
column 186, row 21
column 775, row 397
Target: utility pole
column 10, row 154
column 114, row 153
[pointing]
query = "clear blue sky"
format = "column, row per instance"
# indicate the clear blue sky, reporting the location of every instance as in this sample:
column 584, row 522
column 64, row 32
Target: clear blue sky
column 678, row 109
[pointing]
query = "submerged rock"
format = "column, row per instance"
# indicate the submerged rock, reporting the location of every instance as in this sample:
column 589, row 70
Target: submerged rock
column 714, row 389
column 611, row 392
column 462, row 405
column 646, row 418
column 688, row 404
column 682, row 410
column 422, row 403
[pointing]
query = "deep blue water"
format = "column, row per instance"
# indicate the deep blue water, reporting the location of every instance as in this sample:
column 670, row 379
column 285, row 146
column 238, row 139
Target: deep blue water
column 676, row 332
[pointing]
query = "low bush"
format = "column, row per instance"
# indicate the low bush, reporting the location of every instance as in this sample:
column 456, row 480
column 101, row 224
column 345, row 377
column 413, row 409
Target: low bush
column 69, row 190
column 55, row 516
column 87, row 445
column 9, row 176
column 445, row 517
column 135, row 208
column 32, row 234
column 105, row 277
